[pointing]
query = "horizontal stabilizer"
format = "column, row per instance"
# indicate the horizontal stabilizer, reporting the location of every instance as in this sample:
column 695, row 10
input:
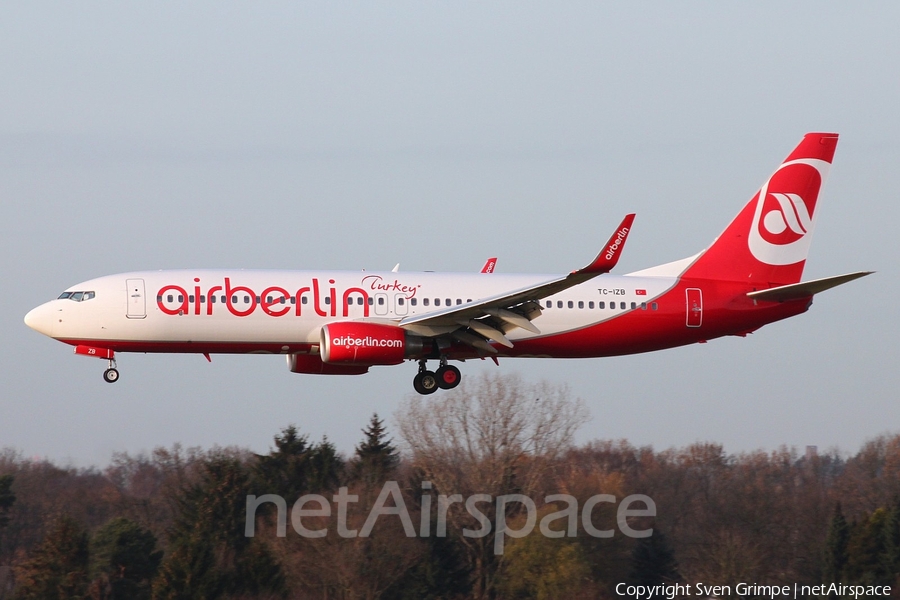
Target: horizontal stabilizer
column 805, row 289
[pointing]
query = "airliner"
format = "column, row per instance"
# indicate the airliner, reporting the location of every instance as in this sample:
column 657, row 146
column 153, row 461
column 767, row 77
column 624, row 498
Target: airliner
column 345, row 322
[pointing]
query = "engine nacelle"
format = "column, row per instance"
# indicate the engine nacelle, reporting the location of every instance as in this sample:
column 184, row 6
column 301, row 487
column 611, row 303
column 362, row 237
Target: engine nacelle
column 356, row 343
column 313, row 365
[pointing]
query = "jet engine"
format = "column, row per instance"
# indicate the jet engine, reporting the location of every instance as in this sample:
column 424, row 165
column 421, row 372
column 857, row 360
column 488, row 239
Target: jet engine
column 357, row 343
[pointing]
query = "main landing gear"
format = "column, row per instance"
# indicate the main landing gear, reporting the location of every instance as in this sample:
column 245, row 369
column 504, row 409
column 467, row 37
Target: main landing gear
column 446, row 377
column 111, row 375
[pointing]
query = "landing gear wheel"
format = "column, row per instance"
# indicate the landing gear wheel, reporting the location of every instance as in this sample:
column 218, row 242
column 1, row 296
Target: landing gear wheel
column 110, row 375
column 425, row 382
column 448, row 377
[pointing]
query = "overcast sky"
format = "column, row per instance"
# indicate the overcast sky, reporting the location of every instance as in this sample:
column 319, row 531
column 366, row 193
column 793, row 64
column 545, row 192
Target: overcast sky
column 435, row 134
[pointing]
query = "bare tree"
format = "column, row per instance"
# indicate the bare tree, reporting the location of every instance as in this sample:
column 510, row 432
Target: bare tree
column 495, row 435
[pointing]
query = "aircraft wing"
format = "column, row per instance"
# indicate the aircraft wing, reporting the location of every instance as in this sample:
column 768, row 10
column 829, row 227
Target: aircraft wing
column 492, row 317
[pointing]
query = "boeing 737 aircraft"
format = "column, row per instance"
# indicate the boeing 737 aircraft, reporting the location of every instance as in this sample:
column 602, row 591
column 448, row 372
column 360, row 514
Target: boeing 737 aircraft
column 344, row 322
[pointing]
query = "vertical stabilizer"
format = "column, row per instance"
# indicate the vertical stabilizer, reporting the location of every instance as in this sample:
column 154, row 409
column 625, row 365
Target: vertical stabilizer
column 768, row 241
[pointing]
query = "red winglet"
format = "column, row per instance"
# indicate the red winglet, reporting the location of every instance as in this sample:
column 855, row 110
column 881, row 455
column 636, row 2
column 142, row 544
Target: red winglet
column 489, row 265
column 609, row 256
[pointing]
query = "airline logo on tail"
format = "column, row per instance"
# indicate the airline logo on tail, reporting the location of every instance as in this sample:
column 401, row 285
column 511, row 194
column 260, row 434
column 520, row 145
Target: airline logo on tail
column 782, row 225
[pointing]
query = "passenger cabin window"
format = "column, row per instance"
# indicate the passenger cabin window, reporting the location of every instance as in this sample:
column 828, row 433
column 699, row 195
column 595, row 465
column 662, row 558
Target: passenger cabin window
column 437, row 301
column 424, row 301
column 581, row 304
column 559, row 304
column 549, row 303
column 571, row 304
column 400, row 301
column 633, row 305
column 601, row 305
column 413, row 301
column 622, row 305
column 654, row 306
column 591, row 304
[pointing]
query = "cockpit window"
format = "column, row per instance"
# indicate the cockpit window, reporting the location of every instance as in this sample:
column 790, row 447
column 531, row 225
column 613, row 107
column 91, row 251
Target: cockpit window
column 77, row 296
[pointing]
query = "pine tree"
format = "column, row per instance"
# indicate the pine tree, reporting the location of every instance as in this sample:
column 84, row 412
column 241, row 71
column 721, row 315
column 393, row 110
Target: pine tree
column 653, row 562
column 865, row 550
column 7, row 499
column 376, row 457
column 325, row 467
column 295, row 467
column 836, row 543
column 890, row 557
column 208, row 554
column 284, row 470
column 58, row 567
column 124, row 560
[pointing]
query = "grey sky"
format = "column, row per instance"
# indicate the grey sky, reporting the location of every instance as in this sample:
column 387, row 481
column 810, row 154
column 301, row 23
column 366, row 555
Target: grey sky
column 340, row 135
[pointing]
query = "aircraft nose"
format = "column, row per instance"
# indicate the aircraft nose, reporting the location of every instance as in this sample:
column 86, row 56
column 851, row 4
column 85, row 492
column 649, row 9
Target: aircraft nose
column 39, row 319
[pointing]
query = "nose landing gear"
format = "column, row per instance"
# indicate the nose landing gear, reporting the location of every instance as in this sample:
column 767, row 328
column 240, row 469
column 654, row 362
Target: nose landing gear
column 427, row 382
column 111, row 375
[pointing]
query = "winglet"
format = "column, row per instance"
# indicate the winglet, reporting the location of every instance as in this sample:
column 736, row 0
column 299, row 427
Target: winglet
column 609, row 256
column 489, row 265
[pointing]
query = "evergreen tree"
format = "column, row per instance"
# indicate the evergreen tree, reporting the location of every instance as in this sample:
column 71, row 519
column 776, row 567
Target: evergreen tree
column 325, row 467
column 376, row 456
column 7, row 499
column 284, row 470
column 124, row 560
column 865, row 550
column 58, row 567
column 653, row 562
column 209, row 556
column 836, row 547
column 891, row 556
column 295, row 467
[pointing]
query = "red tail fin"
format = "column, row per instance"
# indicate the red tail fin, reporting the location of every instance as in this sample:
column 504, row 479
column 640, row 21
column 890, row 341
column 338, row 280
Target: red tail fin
column 768, row 241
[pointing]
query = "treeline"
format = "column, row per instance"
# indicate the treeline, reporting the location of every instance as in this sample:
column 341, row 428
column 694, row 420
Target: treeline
column 173, row 524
